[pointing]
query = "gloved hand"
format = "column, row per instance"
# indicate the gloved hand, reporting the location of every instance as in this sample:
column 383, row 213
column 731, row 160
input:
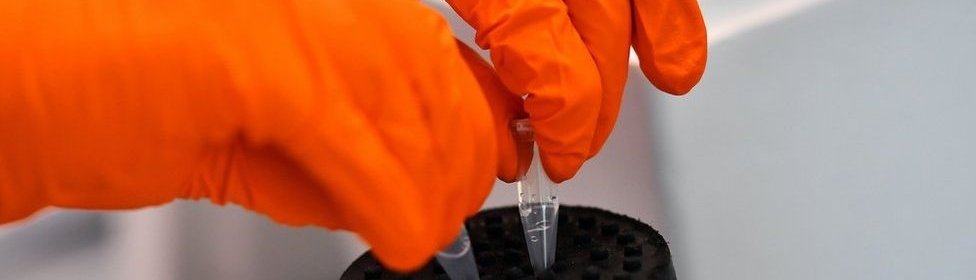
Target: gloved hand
column 358, row 115
column 571, row 56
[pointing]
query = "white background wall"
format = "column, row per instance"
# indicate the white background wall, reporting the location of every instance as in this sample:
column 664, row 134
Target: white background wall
column 834, row 143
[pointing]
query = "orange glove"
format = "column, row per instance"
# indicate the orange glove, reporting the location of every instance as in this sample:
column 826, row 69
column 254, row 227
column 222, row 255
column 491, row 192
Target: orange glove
column 357, row 115
column 571, row 56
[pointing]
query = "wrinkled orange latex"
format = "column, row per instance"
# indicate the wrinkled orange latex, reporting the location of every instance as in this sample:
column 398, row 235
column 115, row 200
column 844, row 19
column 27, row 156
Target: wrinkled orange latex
column 357, row 115
column 360, row 115
column 570, row 58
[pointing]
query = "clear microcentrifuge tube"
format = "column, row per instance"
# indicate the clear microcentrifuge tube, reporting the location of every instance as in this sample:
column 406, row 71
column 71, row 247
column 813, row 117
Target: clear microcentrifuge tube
column 458, row 260
column 538, row 204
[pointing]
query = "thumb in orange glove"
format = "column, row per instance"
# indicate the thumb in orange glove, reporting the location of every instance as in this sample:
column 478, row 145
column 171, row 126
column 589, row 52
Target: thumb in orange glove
column 375, row 126
column 570, row 58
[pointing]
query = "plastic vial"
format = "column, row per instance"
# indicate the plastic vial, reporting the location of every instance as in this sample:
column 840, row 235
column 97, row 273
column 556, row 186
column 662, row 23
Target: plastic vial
column 537, row 203
column 458, row 260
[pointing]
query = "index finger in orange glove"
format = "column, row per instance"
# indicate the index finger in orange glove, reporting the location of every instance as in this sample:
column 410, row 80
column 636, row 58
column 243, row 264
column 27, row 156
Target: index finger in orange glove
column 671, row 42
column 669, row 37
column 537, row 52
column 364, row 118
column 605, row 28
column 513, row 156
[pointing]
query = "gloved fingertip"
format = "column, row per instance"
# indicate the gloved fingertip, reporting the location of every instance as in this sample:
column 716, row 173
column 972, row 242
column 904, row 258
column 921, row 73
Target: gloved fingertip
column 508, row 155
column 403, row 263
column 507, row 175
column 671, row 41
column 407, row 251
column 677, row 83
column 562, row 167
column 18, row 215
